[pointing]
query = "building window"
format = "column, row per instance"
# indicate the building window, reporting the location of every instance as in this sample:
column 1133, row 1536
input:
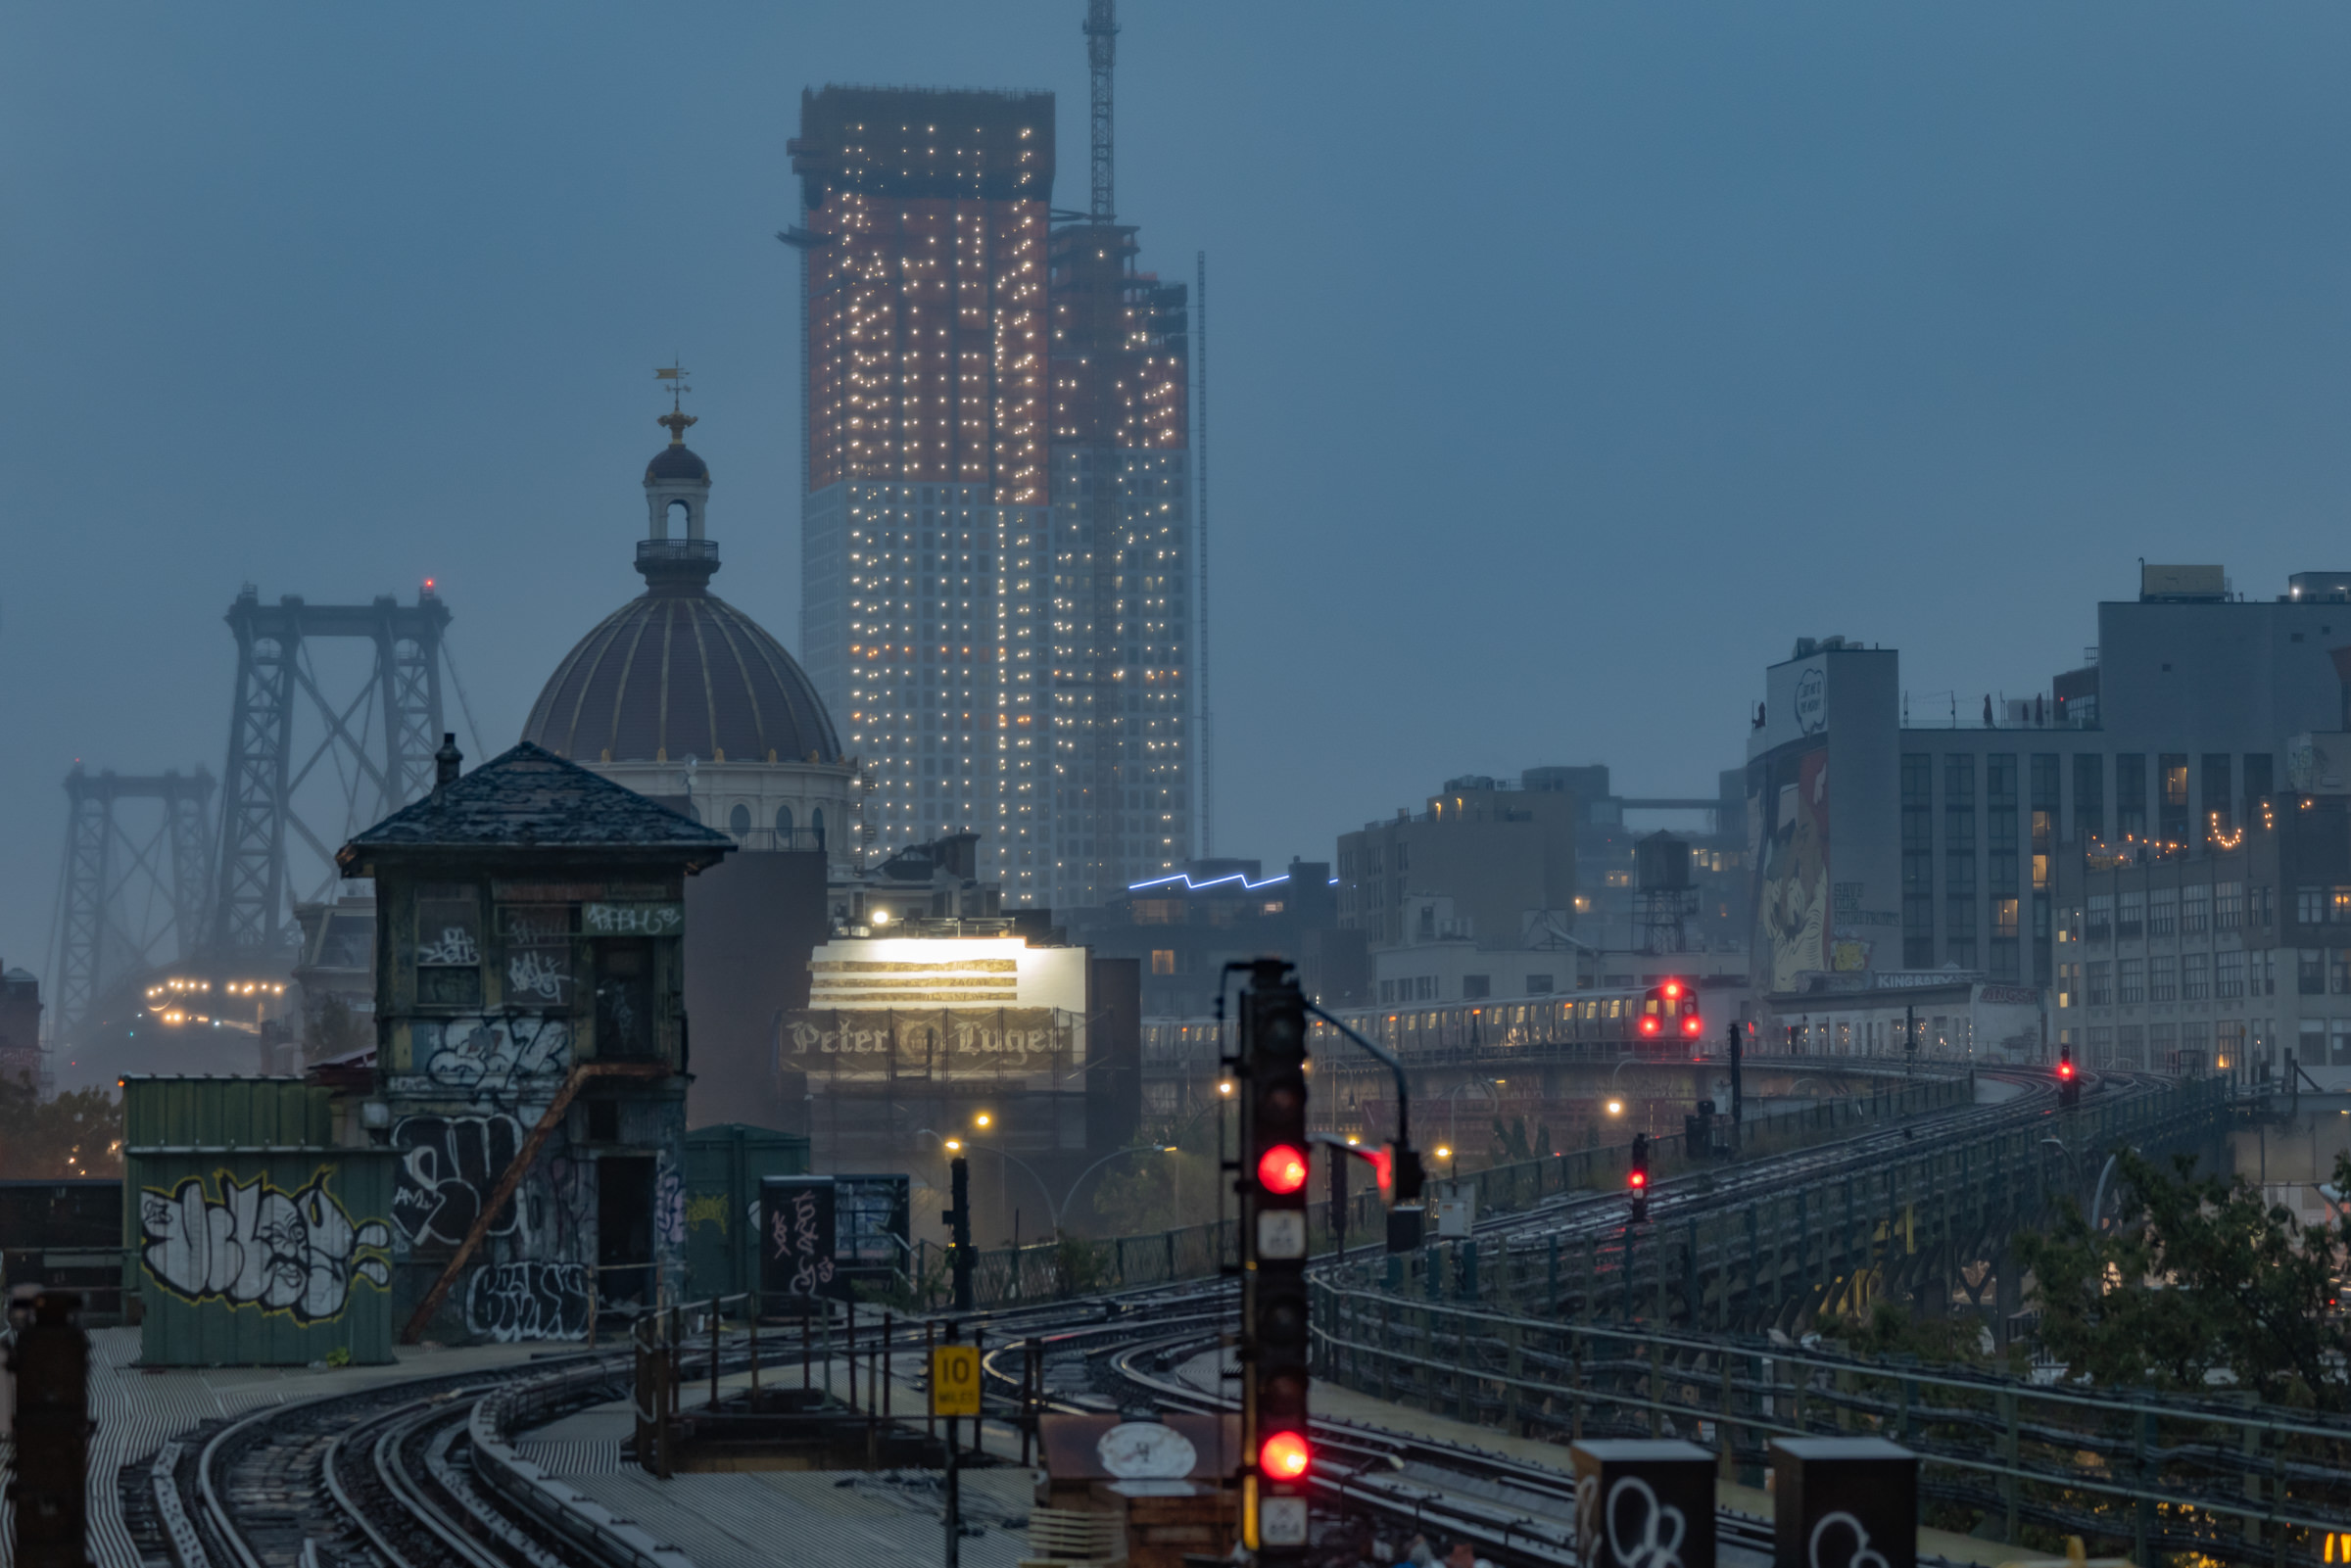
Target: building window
column 784, row 827
column 2338, row 1043
column 2000, row 821
column 1163, row 961
column 1476, row 985
column 2098, row 983
column 2089, row 795
column 2130, row 1046
column 2228, row 905
column 2162, row 1041
column 2310, row 905
column 739, row 820
column 2228, row 974
column 1918, row 860
column 2196, row 977
column 2338, row 971
column 2163, row 911
column 2264, row 905
column 2309, row 971
column 2131, row 916
column 2257, row 779
column 1538, row 985
column 2130, row 795
column 2069, row 984
column 448, row 946
column 1959, row 859
column 2173, row 775
column 2262, row 971
column 2338, row 907
column 2100, row 925
column 2131, row 980
column 2163, row 985
column 2195, row 909
column 2102, row 1047
column 2003, row 918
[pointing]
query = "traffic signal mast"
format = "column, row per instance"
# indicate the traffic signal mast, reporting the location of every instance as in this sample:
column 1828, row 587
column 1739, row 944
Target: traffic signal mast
column 2068, row 1082
column 1275, row 1445
column 1637, row 1178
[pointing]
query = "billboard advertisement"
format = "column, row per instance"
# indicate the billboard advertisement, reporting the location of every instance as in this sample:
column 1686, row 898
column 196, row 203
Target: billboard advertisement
column 938, row 1009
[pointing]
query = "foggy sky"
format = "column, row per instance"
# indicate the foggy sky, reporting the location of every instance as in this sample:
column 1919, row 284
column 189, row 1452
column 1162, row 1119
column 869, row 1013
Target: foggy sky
column 1569, row 362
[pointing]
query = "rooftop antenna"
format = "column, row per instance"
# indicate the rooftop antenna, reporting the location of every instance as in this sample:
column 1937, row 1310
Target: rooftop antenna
column 1101, row 53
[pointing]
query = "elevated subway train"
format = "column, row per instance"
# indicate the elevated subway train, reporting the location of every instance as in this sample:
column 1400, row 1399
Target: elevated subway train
column 1624, row 1022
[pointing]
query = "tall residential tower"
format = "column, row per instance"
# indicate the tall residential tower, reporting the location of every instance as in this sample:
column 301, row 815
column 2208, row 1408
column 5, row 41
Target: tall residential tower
column 995, row 531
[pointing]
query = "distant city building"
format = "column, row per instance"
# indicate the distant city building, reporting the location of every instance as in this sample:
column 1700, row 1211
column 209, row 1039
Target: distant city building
column 20, row 1027
column 1888, row 848
column 996, row 527
column 1182, row 929
column 1525, row 889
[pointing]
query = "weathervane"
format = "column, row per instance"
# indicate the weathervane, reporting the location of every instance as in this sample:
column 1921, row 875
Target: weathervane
column 677, row 419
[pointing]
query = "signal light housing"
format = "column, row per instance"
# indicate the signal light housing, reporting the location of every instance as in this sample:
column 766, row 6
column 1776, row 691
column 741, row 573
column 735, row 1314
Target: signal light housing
column 1284, row 1457
column 1281, row 1169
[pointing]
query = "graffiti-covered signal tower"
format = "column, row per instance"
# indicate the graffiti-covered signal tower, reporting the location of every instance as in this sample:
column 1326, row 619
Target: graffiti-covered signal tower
column 132, row 896
column 375, row 743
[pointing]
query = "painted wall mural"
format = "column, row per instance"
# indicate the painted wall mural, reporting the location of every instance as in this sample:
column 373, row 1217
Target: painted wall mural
column 1793, row 871
column 506, row 1303
column 259, row 1245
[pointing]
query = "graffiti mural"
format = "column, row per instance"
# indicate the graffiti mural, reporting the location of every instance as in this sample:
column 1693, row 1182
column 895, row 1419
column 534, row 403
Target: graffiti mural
column 449, row 1165
column 489, row 1053
column 261, row 1246
column 1793, row 874
column 510, row 1302
column 669, row 1206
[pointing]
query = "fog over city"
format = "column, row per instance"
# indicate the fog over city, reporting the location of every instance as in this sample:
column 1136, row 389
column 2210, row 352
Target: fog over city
column 1567, row 363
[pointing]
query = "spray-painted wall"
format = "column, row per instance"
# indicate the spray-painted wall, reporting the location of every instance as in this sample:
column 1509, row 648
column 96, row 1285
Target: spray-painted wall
column 492, row 992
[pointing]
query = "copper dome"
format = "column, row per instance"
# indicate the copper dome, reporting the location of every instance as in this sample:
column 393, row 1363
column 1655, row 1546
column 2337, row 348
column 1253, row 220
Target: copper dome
column 677, row 673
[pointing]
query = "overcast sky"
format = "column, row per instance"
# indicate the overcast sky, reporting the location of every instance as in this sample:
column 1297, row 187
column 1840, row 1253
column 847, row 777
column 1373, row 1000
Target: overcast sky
column 1569, row 360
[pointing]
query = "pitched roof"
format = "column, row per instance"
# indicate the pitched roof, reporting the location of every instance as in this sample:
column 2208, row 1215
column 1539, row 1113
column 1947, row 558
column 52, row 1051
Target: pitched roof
column 531, row 797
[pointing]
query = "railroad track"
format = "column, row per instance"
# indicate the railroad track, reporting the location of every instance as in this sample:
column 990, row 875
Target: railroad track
column 392, row 1477
column 379, row 1478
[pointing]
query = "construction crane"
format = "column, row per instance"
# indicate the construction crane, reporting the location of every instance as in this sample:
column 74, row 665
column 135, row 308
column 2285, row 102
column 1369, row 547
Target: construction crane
column 1101, row 54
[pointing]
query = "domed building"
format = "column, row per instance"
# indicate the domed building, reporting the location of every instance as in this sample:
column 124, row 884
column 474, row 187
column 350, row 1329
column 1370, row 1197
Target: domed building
column 679, row 696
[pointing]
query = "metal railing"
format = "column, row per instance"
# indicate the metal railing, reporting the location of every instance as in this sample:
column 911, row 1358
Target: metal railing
column 2224, row 1479
column 1050, row 1271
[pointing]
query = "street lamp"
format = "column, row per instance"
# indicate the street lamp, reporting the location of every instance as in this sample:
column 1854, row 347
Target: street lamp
column 1616, row 1108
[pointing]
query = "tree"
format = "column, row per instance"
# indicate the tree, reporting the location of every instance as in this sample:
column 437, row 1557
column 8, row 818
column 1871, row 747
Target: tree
column 80, row 1133
column 2203, row 1276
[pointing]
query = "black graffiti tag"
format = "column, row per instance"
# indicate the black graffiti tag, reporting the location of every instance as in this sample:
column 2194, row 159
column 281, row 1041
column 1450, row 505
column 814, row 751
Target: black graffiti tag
column 449, row 1165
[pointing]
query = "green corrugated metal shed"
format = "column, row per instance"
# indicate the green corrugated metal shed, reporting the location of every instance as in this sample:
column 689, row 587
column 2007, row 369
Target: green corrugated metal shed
column 724, row 1164
column 260, row 1256
column 213, row 1112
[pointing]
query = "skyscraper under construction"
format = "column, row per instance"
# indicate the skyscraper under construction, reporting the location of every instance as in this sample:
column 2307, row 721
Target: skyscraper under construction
column 996, row 527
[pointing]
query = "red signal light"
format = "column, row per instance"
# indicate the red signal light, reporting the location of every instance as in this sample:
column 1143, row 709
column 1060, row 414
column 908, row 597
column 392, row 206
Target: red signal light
column 1383, row 1169
column 2065, row 1069
column 1283, row 1457
column 1281, row 1169
column 1639, row 1179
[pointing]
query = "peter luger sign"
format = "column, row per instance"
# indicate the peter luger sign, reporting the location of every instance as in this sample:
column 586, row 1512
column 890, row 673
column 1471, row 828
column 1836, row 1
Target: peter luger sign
column 897, row 1007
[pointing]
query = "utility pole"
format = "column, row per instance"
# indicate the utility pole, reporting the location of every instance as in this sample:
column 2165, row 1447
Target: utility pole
column 1738, row 1093
column 959, row 1231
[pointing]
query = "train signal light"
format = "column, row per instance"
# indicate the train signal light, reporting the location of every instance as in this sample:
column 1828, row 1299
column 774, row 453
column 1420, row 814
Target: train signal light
column 1281, row 1169
column 1274, row 1317
column 1637, row 1177
column 1284, row 1457
column 2068, row 1082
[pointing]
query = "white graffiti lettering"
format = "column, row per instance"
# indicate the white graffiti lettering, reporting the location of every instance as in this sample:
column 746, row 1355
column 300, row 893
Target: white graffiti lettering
column 669, row 1206
column 537, row 977
column 633, row 920
column 473, row 1053
column 511, row 1301
column 1641, row 1531
column 455, row 946
column 261, row 1246
column 1862, row 1555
